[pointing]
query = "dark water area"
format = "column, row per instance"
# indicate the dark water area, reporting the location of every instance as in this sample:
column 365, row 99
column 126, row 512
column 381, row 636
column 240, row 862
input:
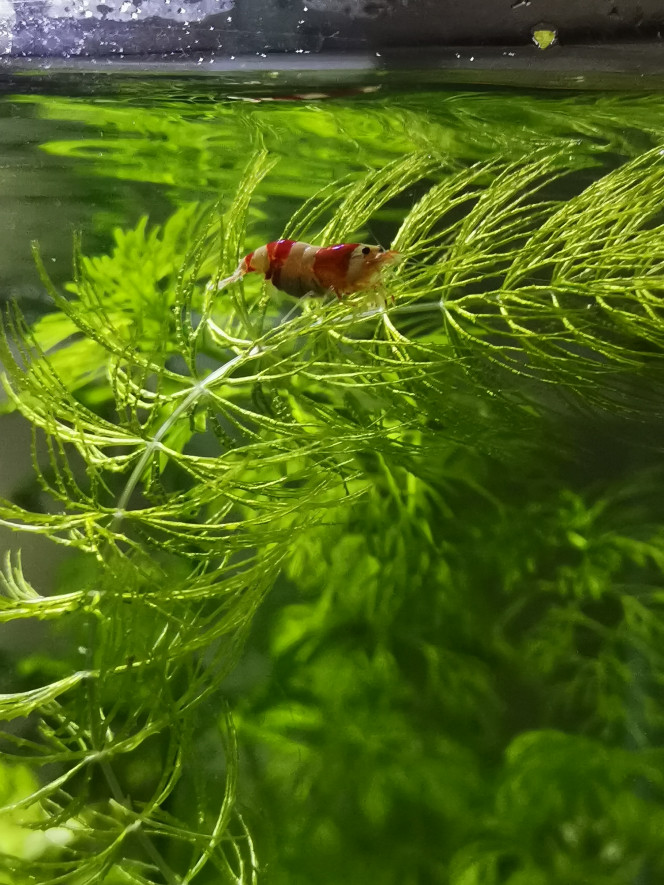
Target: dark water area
column 456, row 678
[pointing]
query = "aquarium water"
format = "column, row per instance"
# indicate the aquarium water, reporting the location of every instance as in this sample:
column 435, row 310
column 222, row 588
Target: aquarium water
column 318, row 591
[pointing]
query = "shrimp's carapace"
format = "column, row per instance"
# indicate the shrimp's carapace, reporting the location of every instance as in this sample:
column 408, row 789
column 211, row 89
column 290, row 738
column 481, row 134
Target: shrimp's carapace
column 300, row 269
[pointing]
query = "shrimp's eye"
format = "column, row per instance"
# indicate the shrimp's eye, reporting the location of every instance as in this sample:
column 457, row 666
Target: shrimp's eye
column 366, row 250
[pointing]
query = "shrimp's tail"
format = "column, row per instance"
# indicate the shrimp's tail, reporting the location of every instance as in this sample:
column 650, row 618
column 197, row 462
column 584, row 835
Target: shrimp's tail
column 233, row 278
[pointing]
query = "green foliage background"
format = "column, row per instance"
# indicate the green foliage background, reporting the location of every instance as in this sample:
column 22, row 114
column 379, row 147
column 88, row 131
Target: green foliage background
column 353, row 595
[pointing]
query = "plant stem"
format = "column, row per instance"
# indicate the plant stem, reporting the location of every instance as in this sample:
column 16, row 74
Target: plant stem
column 194, row 394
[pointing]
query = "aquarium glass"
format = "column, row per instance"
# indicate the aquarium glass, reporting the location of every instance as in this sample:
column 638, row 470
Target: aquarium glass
column 359, row 589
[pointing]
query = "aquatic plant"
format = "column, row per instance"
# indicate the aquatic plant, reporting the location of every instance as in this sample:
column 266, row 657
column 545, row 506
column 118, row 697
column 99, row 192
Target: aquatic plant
column 459, row 639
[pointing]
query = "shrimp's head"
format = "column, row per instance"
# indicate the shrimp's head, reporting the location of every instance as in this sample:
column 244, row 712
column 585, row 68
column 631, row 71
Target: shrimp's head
column 366, row 265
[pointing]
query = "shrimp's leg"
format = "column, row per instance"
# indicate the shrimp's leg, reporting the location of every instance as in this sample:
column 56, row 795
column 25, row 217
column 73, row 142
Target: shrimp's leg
column 375, row 299
column 290, row 314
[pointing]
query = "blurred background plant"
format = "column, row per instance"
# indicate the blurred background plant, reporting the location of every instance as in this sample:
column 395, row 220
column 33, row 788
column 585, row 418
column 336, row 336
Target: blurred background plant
column 351, row 595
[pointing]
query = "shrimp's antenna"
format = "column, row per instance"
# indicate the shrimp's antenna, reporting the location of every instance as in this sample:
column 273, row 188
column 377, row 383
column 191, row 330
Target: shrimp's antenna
column 375, row 238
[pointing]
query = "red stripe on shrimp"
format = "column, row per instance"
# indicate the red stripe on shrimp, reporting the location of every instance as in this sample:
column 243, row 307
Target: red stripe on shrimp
column 331, row 265
column 278, row 253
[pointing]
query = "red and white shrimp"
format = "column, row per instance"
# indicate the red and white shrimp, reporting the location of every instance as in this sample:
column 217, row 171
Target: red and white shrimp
column 300, row 269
